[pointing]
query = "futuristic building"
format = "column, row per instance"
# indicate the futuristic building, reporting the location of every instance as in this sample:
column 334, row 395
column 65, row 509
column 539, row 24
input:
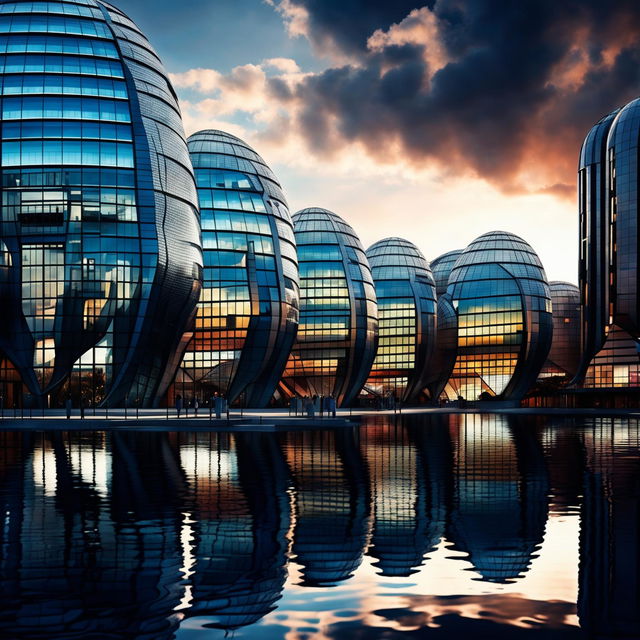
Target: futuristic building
column 564, row 356
column 500, row 294
column 100, row 258
column 444, row 357
column 609, row 236
column 338, row 333
column 248, row 312
column 407, row 315
column 441, row 268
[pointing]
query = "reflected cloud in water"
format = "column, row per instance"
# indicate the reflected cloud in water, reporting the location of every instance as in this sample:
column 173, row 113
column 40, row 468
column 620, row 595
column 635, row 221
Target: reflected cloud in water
column 447, row 526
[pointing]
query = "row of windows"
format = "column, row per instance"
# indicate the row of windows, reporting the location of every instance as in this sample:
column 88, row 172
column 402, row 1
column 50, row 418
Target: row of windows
column 230, row 276
column 50, row 152
column 220, row 179
column 31, row 107
column 234, row 221
column 57, row 44
column 67, row 177
column 51, row 7
column 219, row 199
column 59, row 84
column 49, row 63
column 238, row 242
column 53, row 24
column 66, row 129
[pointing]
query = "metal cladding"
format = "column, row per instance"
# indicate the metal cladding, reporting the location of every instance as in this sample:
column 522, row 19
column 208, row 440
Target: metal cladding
column 100, row 258
column 594, row 239
column 564, row 356
column 609, row 284
column 338, row 333
column 248, row 312
column 501, row 297
column 441, row 269
column 406, row 295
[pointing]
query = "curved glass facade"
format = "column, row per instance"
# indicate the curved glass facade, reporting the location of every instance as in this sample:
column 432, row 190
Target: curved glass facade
column 338, row 333
column 441, row 268
column 248, row 311
column 595, row 230
column 500, row 294
column 407, row 319
column 564, row 356
column 610, row 293
column 100, row 258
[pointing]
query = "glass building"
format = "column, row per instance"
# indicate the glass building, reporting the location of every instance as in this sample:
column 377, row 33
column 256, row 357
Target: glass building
column 608, row 203
column 564, row 355
column 248, row 311
column 501, row 297
column 441, row 268
column 407, row 319
column 444, row 357
column 338, row 333
column 100, row 257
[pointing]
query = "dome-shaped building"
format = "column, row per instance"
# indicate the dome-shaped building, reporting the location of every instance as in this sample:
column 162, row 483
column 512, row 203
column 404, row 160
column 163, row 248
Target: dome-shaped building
column 441, row 268
column 248, row 311
column 100, row 261
column 564, row 355
column 407, row 319
column 499, row 291
column 338, row 332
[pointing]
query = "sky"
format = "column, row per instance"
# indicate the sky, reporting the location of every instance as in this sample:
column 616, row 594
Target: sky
column 434, row 121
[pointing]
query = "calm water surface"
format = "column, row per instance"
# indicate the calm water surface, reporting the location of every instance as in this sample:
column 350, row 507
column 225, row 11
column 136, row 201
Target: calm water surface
column 431, row 527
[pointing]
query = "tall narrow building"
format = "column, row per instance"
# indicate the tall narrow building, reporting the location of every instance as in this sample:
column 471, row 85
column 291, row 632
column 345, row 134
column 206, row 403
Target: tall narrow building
column 338, row 334
column 609, row 245
column 248, row 312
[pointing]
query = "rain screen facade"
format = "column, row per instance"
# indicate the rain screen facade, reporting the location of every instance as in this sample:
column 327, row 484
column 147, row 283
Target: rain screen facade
column 100, row 258
column 248, row 311
column 608, row 201
column 338, row 332
column 501, row 297
column 407, row 319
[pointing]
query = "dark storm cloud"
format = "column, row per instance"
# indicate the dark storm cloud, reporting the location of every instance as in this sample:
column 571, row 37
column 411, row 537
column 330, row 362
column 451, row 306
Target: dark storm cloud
column 522, row 83
column 350, row 23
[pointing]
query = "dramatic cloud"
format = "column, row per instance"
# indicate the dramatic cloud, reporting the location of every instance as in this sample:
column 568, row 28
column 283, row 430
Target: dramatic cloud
column 501, row 90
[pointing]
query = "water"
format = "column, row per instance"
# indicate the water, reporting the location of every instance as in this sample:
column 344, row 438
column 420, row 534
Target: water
column 434, row 527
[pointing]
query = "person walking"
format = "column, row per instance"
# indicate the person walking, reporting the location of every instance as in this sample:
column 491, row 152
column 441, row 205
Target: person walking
column 179, row 404
column 68, row 405
column 196, row 405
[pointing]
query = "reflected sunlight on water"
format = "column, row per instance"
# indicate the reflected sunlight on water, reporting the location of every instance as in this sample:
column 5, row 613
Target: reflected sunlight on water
column 429, row 527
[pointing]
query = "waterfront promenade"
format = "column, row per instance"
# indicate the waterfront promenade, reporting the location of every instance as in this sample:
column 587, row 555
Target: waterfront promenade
column 252, row 419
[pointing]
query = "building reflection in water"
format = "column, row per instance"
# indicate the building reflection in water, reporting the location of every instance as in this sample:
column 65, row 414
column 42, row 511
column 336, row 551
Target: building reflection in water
column 241, row 515
column 331, row 505
column 609, row 595
column 408, row 524
column 500, row 507
column 129, row 535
